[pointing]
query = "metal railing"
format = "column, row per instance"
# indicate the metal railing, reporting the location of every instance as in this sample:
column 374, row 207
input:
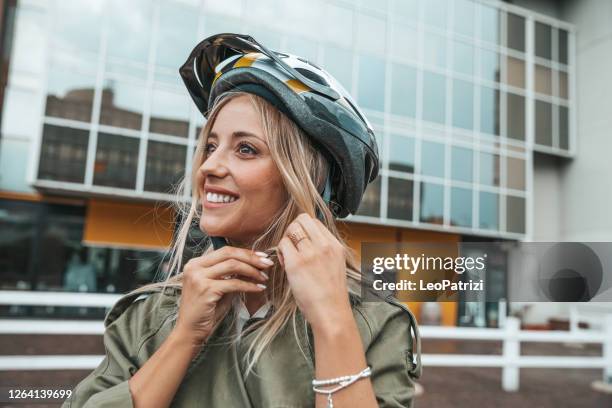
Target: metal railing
column 510, row 361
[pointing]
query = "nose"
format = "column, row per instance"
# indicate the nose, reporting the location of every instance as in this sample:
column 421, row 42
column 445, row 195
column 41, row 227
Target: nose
column 215, row 165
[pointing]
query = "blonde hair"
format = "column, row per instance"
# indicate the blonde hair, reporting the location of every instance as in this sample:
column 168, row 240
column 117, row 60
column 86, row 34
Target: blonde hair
column 303, row 169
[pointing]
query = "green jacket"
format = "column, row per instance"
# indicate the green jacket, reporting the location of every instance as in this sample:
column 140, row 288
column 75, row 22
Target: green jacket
column 134, row 331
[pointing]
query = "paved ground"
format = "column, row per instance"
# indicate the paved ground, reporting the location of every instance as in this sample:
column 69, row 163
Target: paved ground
column 444, row 387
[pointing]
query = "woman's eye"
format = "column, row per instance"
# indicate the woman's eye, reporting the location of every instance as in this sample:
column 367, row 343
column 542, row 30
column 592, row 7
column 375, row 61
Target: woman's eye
column 207, row 150
column 246, row 149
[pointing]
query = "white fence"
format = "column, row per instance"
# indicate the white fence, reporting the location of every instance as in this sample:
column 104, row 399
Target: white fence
column 510, row 361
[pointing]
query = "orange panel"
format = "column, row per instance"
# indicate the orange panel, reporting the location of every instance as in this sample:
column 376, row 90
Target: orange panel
column 132, row 225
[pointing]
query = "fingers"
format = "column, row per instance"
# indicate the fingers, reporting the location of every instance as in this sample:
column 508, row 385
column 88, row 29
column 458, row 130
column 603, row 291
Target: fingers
column 287, row 249
column 237, row 285
column 255, row 259
column 236, row 267
column 310, row 226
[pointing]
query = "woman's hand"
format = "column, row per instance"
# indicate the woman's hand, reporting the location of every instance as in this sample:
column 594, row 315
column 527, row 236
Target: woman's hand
column 316, row 272
column 207, row 283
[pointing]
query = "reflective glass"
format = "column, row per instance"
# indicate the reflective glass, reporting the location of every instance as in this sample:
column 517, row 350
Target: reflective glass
column 515, row 105
column 489, row 24
column 165, row 166
column 371, row 92
column 434, row 50
column 463, row 58
column 432, row 203
column 489, row 210
column 515, row 72
column 178, row 27
column 461, row 164
column 399, row 202
column 435, row 12
column 169, row 113
column 543, row 119
column 78, row 27
column 336, row 64
column 489, row 169
column 339, row 25
column 116, row 161
column 69, row 94
column 371, row 33
column 405, row 9
column 403, row 90
column 122, row 104
column 432, row 159
column 464, row 17
column 434, row 97
column 65, row 146
column 515, row 214
column 463, row 104
column 461, row 207
column 516, row 32
column 543, row 35
column 515, row 173
column 401, row 153
column 563, row 127
column 489, row 110
column 405, row 42
column 562, row 87
column 129, row 34
column 489, row 65
column 543, row 80
column 563, row 44
column 370, row 203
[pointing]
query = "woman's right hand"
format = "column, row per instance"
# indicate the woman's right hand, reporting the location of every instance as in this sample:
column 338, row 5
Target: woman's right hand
column 207, row 283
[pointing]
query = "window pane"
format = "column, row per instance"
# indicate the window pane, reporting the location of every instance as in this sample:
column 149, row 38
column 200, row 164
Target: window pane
column 169, row 113
column 463, row 104
column 463, row 58
column 122, row 105
column 303, row 47
column 406, row 9
column 405, row 39
column 489, row 65
column 564, row 127
column 489, row 169
column 178, row 26
column 516, row 116
column 464, row 17
column 18, row 222
column 370, row 203
column 516, row 32
column 434, row 52
column 339, row 25
column 69, row 95
column 515, row 214
column 543, row 112
column 165, row 166
column 489, row 24
column 515, row 173
column 435, row 12
column 461, row 164
column 432, row 159
column 399, row 203
column 434, row 97
column 543, row 80
column 65, row 146
column 79, row 27
column 371, row 34
column 563, row 46
column 371, row 83
column 489, row 210
column 403, row 90
column 461, row 207
column 129, row 33
column 432, row 203
column 401, row 153
column 562, row 84
column 542, row 40
column 516, row 72
column 116, row 161
column 336, row 64
column 489, row 110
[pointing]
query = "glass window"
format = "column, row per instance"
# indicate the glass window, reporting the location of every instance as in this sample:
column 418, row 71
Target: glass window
column 371, row 33
column 543, row 79
column 432, row 203
column 543, row 40
column 69, row 95
column 463, row 104
column 399, row 202
column 215, row 23
column 230, row 7
column 562, row 87
column 461, row 207
column 303, row 47
column 405, row 42
column 461, row 160
column 489, row 24
column 435, row 50
column 78, row 27
column 432, row 159
column 370, row 203
column 169, row 113
column 435, row 13
column 165, row 166
column 336, row 64
column 515, row 173
column 401, row 153
column 564, row 127
column 464, row 17
column 371, row 93
column 489, row 210
column 63, row 154
column 563, row 46
column 178, row 26
column 463, row 58
column 122, row 104
column 434, row 97
column 489, row 65
column 515, row 128
column 116, row 161
column 403, row 90
column 516, row 32
column 515, row 72
column 515, row 214
column 129, row 34
column 543, row 119
column 489, row 110
column 338, row 25
column 489, row 169
column 406, row 9
column 19, row 224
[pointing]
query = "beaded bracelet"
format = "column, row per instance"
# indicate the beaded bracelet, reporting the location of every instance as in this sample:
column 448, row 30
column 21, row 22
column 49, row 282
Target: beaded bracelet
column 344, row 381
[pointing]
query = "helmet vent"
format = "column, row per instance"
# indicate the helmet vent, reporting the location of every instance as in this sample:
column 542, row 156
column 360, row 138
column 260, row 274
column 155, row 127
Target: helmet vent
column 312, row 76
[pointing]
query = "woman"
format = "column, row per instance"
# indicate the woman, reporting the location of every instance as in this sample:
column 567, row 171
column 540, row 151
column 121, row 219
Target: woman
column 276, row 303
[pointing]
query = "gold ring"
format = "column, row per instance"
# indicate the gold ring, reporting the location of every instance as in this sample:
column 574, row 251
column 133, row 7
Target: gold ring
column 296, row 237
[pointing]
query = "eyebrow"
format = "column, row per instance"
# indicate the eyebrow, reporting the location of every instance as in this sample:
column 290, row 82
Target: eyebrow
column 238, row 134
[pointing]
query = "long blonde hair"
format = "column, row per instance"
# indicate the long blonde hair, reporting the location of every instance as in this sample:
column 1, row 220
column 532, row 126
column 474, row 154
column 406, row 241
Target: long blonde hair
column 303, row 169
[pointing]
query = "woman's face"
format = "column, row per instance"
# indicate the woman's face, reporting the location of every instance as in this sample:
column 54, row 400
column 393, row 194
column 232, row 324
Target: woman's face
column 240, row 186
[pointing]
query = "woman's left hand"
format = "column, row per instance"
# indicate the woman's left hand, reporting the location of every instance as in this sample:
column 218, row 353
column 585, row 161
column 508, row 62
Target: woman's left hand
column 316, row 272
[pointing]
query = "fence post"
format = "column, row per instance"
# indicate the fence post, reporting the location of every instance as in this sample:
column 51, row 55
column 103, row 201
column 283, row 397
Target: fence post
column 511, row 353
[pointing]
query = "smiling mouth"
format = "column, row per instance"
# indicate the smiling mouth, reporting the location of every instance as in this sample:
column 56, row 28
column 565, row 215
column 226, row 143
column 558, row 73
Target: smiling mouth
column 215, row 198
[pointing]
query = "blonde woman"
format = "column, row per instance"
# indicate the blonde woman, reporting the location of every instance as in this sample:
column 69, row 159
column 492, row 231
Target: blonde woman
column 270, row 315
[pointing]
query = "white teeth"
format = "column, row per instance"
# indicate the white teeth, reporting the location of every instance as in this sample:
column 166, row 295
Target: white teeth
column 219, row 198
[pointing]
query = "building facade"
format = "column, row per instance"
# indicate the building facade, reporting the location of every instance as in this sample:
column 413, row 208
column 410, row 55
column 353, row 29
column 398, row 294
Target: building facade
column 97, row 128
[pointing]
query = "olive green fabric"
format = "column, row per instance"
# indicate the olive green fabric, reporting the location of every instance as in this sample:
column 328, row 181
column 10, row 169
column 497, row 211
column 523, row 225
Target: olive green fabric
column 283, row 373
